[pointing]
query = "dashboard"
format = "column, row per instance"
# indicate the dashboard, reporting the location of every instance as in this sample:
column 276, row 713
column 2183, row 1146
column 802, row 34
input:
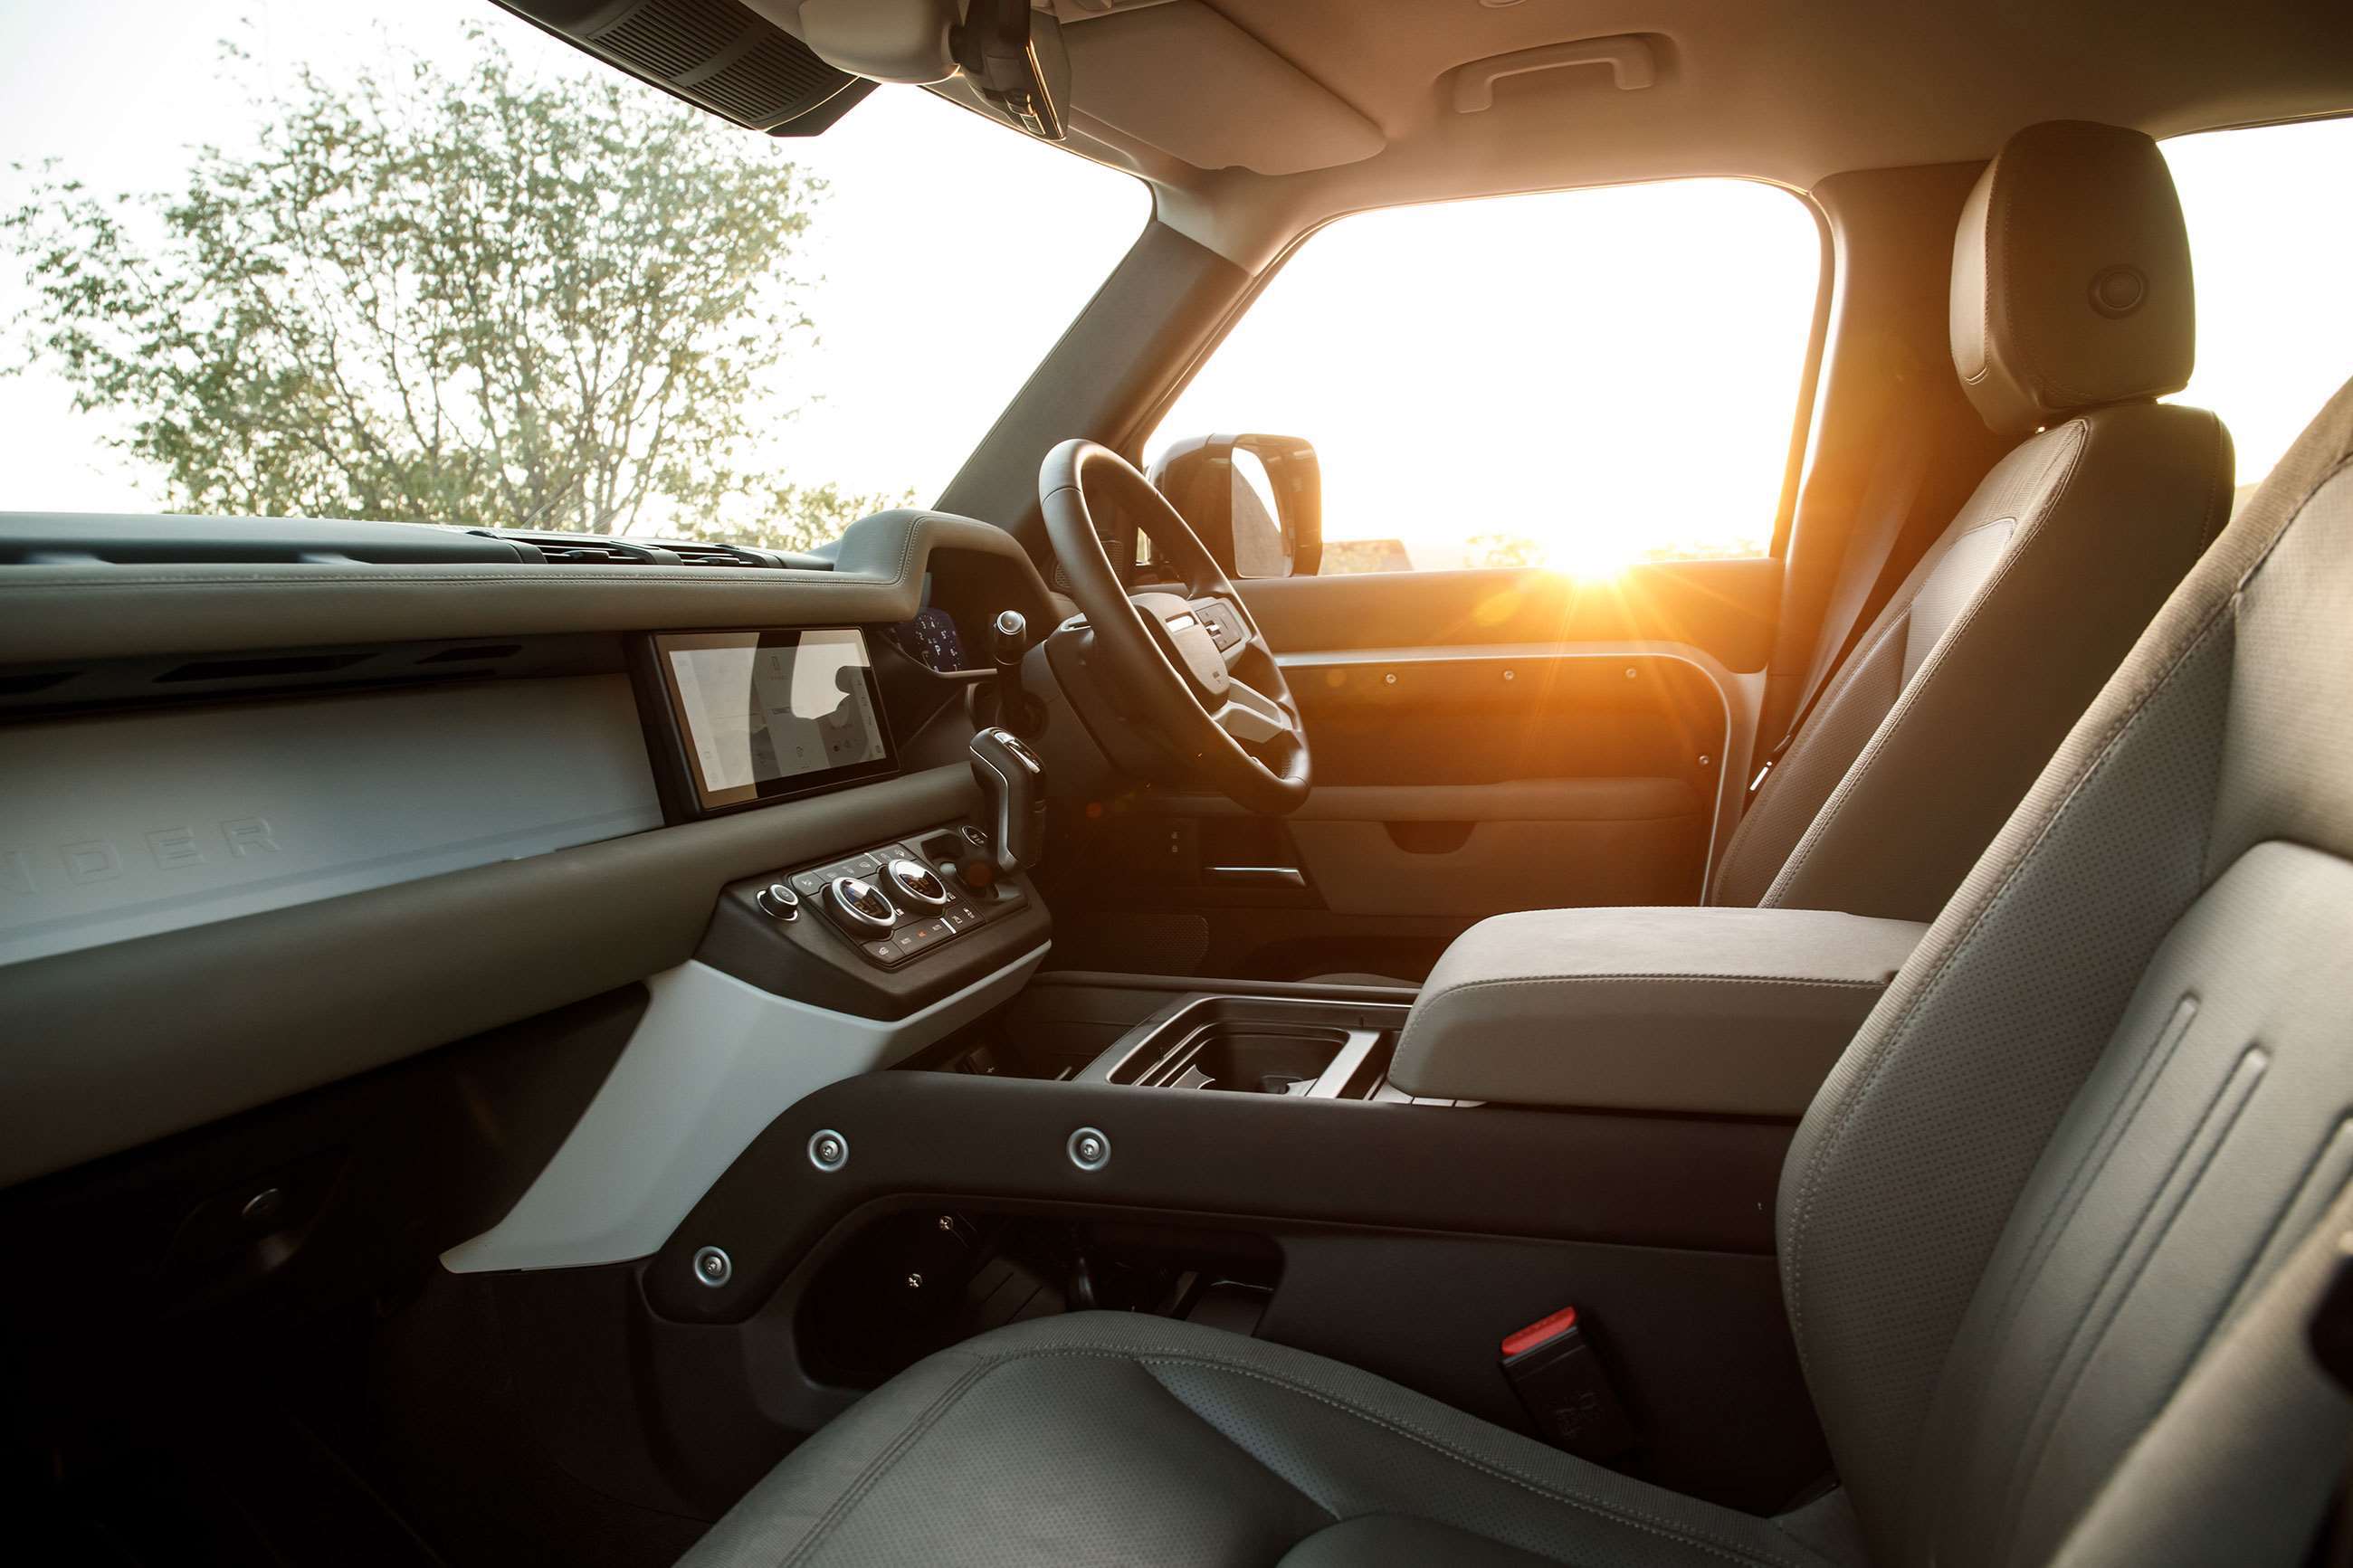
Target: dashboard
column 289, row 801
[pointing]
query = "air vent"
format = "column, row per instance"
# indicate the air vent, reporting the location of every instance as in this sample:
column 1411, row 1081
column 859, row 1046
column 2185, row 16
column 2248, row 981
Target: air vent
column 263, row 667
column 606, row 550
column 479, row 653
column 699, row 555
column 716, row 54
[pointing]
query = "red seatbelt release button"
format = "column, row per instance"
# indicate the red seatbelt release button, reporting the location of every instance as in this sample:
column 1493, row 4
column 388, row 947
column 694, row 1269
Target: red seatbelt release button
column 1559, row 1380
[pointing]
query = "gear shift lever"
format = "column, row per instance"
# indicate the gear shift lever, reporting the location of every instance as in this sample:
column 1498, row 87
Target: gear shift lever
column 1013, row 781
column 1008, row 639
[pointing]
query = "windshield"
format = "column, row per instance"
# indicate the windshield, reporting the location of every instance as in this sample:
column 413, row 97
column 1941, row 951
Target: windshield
column 422, row 262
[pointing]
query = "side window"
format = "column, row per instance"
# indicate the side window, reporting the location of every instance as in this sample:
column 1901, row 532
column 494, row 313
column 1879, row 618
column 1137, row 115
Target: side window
column 2267, row 247
column 1579, row 379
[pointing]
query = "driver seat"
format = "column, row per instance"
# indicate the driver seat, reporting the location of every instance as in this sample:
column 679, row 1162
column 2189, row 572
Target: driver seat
column 2048, row 1237
column 1925, row 736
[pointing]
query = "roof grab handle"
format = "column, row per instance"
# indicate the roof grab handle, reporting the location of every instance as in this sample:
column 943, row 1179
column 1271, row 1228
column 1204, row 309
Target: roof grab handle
column 1628, row 55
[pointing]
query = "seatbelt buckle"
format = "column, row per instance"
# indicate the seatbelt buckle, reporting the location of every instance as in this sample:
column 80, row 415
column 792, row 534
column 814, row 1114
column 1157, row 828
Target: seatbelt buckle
column 1560, row 1382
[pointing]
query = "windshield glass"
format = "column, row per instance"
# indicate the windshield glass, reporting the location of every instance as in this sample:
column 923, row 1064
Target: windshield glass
column 433, row 264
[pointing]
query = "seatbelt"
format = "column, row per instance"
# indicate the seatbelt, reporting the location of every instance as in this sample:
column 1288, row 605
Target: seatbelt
column 1886, row 507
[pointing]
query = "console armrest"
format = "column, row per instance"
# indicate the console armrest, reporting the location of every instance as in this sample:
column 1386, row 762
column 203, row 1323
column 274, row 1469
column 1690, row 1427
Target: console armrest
column 1732, row 1011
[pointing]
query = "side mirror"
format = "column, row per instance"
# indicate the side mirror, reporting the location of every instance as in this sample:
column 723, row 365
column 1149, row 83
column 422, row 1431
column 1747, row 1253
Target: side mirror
column 1256, row 501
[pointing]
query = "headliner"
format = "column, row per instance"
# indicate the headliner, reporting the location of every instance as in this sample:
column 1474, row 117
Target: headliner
column 1770, row 89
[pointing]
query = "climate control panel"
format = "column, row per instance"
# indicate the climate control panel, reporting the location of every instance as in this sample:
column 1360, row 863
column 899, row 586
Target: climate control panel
column 900, row 901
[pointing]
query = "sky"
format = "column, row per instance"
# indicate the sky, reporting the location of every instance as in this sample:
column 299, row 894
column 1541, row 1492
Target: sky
column 1605, row 371
column 910, row 374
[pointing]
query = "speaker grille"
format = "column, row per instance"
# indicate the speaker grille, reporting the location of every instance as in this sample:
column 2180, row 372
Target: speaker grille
column 716, row 54
column 675, row 38
column 777, row 79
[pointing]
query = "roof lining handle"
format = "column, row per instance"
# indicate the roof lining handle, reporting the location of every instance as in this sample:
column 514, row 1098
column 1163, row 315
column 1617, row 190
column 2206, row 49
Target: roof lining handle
column 1631, row 64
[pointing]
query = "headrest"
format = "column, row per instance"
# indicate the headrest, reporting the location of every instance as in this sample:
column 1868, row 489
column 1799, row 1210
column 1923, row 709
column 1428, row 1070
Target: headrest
column 2071, row 277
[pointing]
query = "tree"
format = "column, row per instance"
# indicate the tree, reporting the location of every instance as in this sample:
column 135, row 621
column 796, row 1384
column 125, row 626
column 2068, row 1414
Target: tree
column 1502, row 550
column 474, row 298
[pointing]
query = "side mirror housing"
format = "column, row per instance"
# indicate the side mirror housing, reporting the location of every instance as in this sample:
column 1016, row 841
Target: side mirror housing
column 1256, row 501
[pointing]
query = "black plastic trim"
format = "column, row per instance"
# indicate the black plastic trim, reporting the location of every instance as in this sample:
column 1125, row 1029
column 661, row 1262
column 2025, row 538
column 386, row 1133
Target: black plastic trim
column 1563, row 1175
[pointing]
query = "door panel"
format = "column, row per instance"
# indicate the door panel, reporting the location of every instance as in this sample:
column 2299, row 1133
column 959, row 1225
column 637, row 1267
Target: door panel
column 1484, row 742
column 1725, row 608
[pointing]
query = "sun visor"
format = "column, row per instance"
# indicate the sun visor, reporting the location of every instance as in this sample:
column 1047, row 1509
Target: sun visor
column 1180, row 78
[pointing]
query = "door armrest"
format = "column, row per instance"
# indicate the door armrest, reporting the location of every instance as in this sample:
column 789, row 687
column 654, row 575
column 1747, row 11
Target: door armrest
column 1722, row 1011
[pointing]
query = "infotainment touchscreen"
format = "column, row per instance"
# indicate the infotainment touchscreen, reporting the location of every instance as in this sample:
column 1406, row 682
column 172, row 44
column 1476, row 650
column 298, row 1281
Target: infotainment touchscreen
column 774, row 713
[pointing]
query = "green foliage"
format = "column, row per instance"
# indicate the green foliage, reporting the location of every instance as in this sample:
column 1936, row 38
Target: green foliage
column 1502, row 550
column 475, row 298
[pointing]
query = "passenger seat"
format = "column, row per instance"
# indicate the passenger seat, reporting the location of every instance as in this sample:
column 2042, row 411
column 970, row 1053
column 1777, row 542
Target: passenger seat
column 2072, row 314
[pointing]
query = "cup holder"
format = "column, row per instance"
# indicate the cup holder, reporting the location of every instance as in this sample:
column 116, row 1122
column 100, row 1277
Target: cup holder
column 1245, row 1045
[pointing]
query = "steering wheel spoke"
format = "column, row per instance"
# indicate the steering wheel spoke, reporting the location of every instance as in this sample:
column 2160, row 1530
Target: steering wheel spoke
column 1249, row 715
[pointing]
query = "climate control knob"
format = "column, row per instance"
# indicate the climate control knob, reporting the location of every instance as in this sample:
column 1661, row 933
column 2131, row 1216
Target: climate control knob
column 917, row 882
column 859, row 904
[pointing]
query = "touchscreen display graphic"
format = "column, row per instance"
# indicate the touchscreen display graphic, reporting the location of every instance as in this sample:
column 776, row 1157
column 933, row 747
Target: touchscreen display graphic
column 766, row 712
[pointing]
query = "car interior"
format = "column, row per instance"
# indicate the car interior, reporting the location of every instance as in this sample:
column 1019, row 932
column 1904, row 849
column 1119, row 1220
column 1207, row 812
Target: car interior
column 1066, row 1025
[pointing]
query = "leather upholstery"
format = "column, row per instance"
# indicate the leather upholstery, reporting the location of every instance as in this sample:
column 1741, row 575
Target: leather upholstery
column 2047, row 1237
column 1952, row 699
column 1104, row 1437
column 1733, row 1012
column 2071, row 277
column 1956, row 693
column 2104, row 1100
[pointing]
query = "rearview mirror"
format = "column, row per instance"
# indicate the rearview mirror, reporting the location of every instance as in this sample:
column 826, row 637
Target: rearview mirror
column 1016, row 62
column 1256, row 501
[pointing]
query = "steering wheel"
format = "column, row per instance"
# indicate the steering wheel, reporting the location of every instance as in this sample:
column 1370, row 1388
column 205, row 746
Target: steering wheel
column 1187, row 666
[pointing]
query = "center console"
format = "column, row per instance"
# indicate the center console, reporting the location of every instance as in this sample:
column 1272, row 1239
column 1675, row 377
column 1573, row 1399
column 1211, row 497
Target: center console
column 882, row 931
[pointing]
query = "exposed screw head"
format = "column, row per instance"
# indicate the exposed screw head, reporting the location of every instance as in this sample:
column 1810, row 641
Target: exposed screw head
column 1511, row 674
column 1632, row 672
column 915, row 1282
column 713, row 1267
column 827, row 1150
column 1703, row 759
column 946, row 1223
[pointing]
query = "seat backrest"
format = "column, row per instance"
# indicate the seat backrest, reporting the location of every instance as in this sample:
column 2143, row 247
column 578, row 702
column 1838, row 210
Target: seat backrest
column 2049, row 1231
column 2071, row 311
